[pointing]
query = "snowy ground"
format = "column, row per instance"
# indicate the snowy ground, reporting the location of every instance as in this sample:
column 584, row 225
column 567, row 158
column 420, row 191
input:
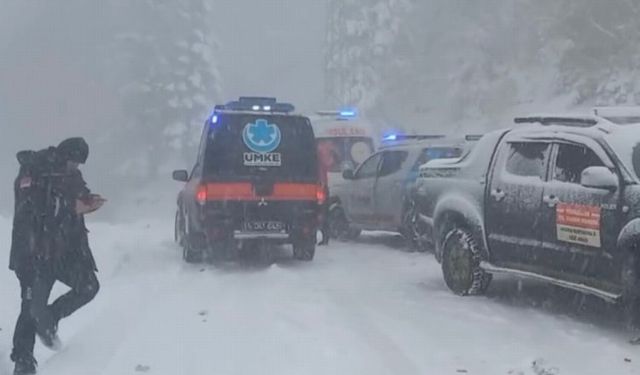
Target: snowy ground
column 366, row 308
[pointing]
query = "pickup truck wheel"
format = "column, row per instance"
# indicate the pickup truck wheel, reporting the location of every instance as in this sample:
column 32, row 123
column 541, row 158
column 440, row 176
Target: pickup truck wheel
column 461, row 264
column 411, row 232
column 338, row 225
column 630, row 276
column 353, row 234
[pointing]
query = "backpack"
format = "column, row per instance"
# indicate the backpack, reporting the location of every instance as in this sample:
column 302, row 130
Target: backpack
column 39, row 208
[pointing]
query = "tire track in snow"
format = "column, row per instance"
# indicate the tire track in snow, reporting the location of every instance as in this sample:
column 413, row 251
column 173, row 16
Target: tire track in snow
column 388, row 353
column 124, row 301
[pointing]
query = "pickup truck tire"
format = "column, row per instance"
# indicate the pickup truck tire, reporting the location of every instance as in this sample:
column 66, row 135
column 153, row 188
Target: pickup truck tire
column 461, row 264
column 354, row 234
column 339, row 225
column 411, row 231
column 631, row 289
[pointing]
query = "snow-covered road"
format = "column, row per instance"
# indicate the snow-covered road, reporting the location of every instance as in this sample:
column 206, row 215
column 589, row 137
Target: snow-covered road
column 364, row 308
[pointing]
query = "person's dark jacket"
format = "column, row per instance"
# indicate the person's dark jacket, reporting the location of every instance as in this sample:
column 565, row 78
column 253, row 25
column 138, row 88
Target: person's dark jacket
column 65, row 239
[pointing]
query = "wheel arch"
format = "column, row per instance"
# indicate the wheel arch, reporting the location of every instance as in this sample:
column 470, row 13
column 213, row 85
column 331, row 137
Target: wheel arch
column 455, row 212
column 629, row 237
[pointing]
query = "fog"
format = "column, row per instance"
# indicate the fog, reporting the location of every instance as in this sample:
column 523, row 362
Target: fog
column 61, row 76
column 137, row 78
column 238, row 293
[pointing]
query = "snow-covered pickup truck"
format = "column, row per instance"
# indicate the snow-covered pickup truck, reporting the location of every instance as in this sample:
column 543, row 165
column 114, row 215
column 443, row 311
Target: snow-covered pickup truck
column 555, row 198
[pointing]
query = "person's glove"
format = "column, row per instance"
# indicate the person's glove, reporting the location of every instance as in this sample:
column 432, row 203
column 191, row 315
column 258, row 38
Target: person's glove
column 89, row 205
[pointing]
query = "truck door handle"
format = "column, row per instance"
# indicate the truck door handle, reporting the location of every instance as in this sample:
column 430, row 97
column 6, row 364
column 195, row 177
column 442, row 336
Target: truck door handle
column 498, row 194
column 551, row 200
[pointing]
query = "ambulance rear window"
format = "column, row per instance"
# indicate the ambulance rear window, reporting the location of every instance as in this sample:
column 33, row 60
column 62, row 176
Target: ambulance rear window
column 241, row 146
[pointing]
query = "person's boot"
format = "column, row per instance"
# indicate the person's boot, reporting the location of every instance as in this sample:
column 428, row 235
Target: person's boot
column 25, row 366
column 47, row 330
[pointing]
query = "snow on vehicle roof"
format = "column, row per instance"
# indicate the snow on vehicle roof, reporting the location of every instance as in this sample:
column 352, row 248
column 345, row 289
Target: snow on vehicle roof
column 441, row 162
column 580, row 123
column 421, row 143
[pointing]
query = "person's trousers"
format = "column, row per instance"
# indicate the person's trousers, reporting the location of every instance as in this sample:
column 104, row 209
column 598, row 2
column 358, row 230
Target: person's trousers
column 35, row 309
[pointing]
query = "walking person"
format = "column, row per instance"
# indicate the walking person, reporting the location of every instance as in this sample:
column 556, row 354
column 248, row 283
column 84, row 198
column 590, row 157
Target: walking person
column 50, row 243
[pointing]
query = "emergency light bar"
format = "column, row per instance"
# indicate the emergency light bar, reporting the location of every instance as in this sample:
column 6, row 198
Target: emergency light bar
column 619, row 115
column 256, row 104
column 582, row 122
column 413, row 137
column 344, row 114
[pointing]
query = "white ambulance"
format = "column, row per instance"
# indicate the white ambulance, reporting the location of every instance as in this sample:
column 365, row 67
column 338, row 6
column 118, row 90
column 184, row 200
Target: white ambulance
column 344, row 141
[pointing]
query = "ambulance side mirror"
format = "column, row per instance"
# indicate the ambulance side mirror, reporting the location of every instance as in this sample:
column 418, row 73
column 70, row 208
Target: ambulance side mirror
column 181, row 175
column 599, row 178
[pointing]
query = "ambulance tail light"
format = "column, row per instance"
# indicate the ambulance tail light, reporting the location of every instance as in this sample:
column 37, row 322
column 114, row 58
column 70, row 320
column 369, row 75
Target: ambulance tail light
column 321, row 195
column 202, row 194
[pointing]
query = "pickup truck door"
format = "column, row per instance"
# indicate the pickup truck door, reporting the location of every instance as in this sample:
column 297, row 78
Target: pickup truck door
column 514, row 200
column 360, row 205
column 390, row 189
column 580, row 224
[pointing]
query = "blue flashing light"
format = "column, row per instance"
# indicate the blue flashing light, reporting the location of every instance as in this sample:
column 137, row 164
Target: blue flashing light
column 214, row 119
column 348, row 113
column 390, row 137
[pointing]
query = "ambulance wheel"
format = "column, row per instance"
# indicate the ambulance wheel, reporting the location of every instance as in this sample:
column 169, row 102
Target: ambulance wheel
column 179, row 228
column 304, row 250
column 461, row 264
column 192, row 249
column 265, row 253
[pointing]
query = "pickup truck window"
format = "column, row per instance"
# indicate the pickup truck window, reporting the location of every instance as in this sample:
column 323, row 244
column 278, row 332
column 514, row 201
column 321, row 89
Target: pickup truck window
column 527, row 159
column 392, row 162
column 626, row 145
column 369, row 168
column 433, row 153
column 572, row 160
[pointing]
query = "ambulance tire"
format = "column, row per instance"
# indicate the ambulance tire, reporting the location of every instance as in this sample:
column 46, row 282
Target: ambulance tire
column 179, row 234
column 304, row 250
column 193, row 247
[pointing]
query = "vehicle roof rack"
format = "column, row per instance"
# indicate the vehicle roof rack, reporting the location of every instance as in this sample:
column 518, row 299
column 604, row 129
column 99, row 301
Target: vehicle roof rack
column 473, row 137
column 576, row 121
column 256, row 104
